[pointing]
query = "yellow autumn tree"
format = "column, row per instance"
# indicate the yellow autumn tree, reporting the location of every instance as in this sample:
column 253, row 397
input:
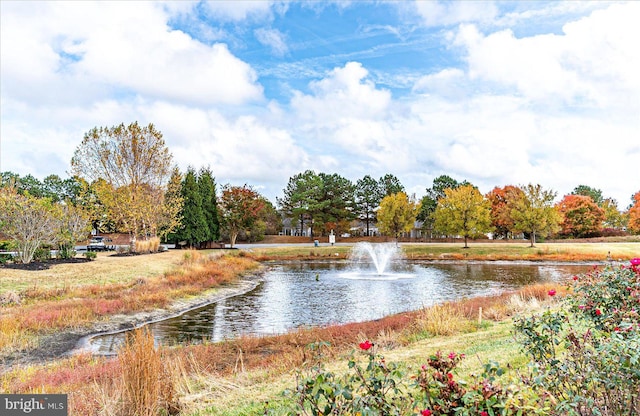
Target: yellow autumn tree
column 397, row 214
column 463, row 211
column 130, row 166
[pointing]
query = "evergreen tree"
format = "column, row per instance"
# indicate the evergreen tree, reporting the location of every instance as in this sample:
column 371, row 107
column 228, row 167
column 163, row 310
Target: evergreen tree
column 368, row 197
column 194, row 229
column 207, row 186
column 390, row 185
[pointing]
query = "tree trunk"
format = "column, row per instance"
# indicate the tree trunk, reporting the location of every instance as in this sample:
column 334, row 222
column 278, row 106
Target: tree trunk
column 533, row 238
column 465, row 242
column 233, row 235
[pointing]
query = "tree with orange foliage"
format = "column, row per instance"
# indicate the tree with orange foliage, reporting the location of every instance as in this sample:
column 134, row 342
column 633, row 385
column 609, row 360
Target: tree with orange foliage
column 581, row 217
column 240, row 208
column 501, row 211
column 634, row 215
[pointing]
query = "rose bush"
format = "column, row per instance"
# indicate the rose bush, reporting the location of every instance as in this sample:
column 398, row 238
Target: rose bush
column 586, row 354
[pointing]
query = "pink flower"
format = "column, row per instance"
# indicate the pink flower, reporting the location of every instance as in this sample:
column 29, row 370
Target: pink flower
column 426, row 412
column 552, row 292
column 483, row 413
column 450, row 376
column 598, row 312
column 365, row 345
column 635, row 261
column 452, row 355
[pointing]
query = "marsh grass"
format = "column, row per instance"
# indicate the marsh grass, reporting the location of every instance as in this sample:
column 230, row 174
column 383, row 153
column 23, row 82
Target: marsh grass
column 45, row 310
column 147, row 384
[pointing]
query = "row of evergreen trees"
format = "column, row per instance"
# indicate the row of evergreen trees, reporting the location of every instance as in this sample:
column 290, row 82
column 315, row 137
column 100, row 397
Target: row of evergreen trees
column 200, row 223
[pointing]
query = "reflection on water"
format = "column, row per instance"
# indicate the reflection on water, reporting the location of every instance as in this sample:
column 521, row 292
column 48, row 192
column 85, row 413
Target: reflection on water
column 294, row 295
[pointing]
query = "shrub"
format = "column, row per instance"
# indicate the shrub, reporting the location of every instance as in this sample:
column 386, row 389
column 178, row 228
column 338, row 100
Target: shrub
column 383, row 388
column 42, row 254
column 91, row 255
column 586, row 354
column 123, row 249
column 5, row 257
column 6, row 245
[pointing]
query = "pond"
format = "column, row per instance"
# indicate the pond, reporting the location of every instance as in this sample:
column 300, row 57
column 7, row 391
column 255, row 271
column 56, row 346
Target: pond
column 298, row 294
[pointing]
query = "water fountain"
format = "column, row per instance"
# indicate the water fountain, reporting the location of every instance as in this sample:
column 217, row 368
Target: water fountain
column 381, row 261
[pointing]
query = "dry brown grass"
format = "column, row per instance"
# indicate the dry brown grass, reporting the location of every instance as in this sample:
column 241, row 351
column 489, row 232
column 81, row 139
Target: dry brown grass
column 150, row 245
column 147, row 386
column 445, row 319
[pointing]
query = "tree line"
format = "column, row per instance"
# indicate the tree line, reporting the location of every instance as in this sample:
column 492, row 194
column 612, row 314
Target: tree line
column 123, row 179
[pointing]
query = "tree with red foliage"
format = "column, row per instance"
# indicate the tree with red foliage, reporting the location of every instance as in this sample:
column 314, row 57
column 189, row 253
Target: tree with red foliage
column 634, row 215
column 501, row 211
column 581, row 216
column 240, row 208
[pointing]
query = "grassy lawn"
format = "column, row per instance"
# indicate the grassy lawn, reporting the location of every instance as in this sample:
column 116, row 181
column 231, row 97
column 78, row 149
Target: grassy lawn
column 106, row 269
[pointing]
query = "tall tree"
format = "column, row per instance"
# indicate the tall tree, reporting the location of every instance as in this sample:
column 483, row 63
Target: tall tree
column 533, row 212
column 31, row 185
column 271, row 218
column 193, row 229
column 594, row 194
column 302, row 198
column 397, row 214
column 390, row 185
column 337, row 200
column 207, row 186
column 135, row 164
column 240, row 208
column 429, row 202
column 501, row 219
column 368, row 195
column 173, row 203
column 613, row 218
column 463, row 211
column 581, row 217
column 634, row 214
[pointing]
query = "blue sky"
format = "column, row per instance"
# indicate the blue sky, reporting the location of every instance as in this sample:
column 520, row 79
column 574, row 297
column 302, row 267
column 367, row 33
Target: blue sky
column 496, row 93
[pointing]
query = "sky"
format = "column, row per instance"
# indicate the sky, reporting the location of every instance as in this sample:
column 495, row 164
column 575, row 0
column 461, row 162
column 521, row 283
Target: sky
column 495, row 93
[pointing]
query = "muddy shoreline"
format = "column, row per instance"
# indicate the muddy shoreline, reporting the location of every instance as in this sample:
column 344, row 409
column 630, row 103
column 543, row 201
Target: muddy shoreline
column 74, row 341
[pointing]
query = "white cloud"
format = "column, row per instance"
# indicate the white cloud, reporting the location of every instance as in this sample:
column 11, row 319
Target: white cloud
column 440, row 13
column 274, row 39
column 594, row 64
column 344, row 93
column 78, row 48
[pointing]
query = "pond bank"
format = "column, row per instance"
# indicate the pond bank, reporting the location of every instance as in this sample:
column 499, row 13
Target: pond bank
column 74, row 341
